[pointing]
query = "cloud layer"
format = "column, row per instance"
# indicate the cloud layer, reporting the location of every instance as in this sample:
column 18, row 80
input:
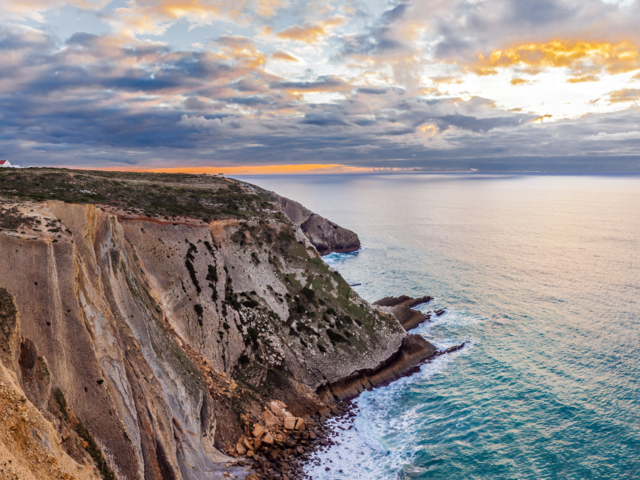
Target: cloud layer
column 452, row 85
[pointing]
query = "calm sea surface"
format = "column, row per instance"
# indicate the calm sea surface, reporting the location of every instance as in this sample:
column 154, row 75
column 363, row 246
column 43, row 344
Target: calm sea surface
column 542, row 275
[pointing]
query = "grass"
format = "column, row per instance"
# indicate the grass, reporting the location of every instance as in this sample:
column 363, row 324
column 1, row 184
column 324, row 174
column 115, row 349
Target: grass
column 169, row 196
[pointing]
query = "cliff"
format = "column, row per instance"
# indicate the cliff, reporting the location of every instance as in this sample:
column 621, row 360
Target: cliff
column 325, row 235
column 152, row 318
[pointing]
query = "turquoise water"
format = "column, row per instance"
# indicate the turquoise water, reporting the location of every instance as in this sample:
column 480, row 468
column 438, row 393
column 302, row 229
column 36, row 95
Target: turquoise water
column 542, row 275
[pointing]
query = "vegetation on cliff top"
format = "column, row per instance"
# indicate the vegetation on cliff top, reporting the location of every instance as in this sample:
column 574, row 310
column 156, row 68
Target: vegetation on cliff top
column 162, row 195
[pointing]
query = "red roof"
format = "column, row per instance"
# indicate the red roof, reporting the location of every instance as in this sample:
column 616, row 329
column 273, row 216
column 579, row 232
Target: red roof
column 2, row 162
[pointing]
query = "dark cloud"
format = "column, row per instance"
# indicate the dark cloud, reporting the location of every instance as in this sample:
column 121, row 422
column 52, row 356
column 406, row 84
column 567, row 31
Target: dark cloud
column 323, row 83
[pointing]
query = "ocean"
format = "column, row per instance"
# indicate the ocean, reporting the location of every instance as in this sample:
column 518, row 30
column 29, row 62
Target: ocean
column 541, row 275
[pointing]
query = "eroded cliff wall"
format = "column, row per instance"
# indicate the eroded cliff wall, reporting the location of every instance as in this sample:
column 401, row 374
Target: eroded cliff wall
column 162, row 335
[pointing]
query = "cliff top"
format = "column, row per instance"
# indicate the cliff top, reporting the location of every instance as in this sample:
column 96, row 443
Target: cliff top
column 170, row 196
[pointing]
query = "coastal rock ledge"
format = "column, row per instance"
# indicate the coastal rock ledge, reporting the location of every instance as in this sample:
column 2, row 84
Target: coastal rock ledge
column 402, row 309
column 413, row 351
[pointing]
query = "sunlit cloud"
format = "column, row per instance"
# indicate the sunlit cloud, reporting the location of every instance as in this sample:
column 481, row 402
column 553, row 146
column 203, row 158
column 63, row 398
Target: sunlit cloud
column 624, row 95
column 280, row 55
column 542, row 118
column 34, row 9
column 584, row 78
column 315, row 33
column 581, row 57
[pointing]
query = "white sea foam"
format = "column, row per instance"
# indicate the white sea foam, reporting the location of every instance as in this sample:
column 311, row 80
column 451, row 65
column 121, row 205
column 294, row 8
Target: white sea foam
column 367, row 446
column 363, row 451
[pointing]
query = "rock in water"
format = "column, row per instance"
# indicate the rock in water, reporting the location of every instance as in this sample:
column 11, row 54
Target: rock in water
column 402, row 309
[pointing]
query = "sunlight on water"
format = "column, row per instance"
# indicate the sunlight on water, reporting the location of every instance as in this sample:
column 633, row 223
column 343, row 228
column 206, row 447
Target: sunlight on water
column 541, row 274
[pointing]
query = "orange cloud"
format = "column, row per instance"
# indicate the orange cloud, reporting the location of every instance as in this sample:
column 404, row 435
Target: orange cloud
column 280, row 55
column 243, row 51
column 577, row 55
column 155, row 16
column 34, row 8
column 624, row 95
column 583, row 78
column 541, row 119
column 519, row 81
column 311, row 33
column 448, row 80
column 268, row 8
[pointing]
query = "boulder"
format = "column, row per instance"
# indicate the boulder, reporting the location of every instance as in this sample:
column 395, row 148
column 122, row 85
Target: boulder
column 258, row 430
column 241, row 449
column 290, row 423
column 270, row 420
column 277, row 410
column 268, row 439
column 299, row 424
column 247, row 443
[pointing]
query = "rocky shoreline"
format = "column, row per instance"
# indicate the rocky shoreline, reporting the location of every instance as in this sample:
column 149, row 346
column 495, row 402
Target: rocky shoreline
column 287, row 444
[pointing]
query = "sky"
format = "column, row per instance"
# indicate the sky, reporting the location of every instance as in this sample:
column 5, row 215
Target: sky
column 286, row 86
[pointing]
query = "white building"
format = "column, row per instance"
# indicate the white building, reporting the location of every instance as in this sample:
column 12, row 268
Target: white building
column 5, row 163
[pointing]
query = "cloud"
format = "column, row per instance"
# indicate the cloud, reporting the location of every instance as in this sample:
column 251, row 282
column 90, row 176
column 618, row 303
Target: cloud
column 280, row 55
column 584, row 78
column 34, row 9
column 579, row 56
column 315, row 33
column 324, row 119
column 268, row 8
column 94, row 98
column 620, row 136
column 624, row 95
column 154, row 17
column 326, row 83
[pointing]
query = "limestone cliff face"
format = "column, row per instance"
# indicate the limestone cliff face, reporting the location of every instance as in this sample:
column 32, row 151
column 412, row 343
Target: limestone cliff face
column 325, row 235
column 144, row 340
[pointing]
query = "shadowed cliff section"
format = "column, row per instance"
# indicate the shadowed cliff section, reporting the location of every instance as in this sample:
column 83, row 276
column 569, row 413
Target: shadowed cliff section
column 155, row 317
column 325, row 235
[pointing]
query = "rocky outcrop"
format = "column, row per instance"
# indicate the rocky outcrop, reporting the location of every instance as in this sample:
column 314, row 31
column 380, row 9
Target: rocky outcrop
column 30, row 446
column 153, row 343
column 402, row 309
column 10, row 334
column 402, row 301
column 325, row 235
column 413, row 351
